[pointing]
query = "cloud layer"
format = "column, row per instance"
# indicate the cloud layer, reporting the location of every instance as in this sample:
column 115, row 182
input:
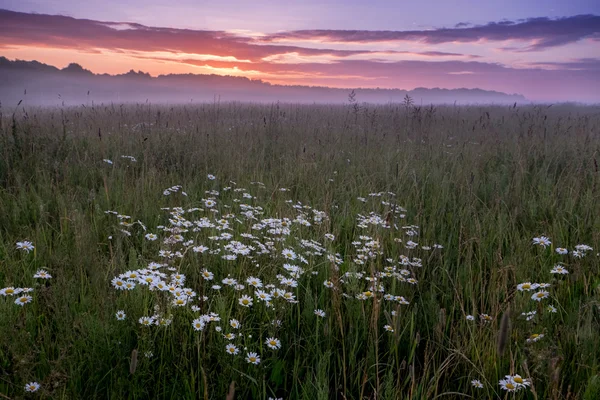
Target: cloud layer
column 545, row 59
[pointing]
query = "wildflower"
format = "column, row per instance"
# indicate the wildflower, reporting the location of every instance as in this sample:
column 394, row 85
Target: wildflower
column 320, row 313
column 146, row 321
column 199, row 249
column 25, row 246
column 106, row 160
column 289, row 254
column 198, row 324
column 252, row 358
column 538, row 296
column 42, row 274
column 521, row 382
column 232, row 349
column 388, row 328
column 535, row 337
column 235, row 324
column 529, row 315
column 542, row 241
column 328, row 284
column 229, row 336
column 148, row 354
column 210, row 203
column 508, row 385
column 245, row 301
column 180, row 301
column 211, row 177
column 559, row 269
column 23, row 300
column 120, row 315
column 329, row 236
column 527, row 286
column 32, row 387
column 551, row 309
column 9, row 291
column 252, row 281
column 477, row 384
column 470, row 318
column 118, row 283
column 151, row 236
column 561, row 250
column 273, row 343
column 485, row 317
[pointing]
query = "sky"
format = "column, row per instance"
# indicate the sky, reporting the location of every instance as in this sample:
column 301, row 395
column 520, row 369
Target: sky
column 547, row 50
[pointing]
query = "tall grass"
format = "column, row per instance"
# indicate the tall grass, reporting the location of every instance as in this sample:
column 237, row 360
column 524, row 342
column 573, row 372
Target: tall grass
column 481, row 181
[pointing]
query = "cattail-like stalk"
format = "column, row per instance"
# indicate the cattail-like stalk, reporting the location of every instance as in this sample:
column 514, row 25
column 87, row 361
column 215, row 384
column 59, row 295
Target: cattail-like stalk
column 231, row 393
column 504, row 332
column 133, row 363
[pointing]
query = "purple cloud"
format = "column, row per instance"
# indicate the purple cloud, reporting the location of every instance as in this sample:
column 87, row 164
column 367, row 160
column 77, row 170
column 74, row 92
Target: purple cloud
column 544, row 32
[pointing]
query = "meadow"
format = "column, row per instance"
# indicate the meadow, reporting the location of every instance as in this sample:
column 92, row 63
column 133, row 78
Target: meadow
column 287, row 251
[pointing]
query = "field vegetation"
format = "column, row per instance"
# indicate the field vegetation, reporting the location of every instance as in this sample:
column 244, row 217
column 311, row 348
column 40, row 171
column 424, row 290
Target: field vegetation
column 300, row 252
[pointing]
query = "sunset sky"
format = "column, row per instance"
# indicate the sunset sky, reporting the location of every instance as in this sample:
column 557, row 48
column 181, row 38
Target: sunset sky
column 546, row 50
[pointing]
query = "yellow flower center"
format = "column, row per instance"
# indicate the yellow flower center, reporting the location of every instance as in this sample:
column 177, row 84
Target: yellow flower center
column 518, row 379
column 510, row 386
column 252, row 359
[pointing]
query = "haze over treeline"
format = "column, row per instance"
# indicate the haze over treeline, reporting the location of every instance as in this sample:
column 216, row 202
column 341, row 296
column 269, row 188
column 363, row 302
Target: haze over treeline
column 41, row 84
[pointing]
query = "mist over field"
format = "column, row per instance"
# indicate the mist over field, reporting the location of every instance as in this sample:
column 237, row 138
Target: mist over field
column 40, row 84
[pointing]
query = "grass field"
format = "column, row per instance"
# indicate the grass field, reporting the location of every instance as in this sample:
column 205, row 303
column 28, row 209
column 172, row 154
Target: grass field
column 302, row 252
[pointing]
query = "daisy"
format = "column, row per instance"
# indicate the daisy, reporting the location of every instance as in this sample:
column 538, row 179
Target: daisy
column 561, row 250
column 42, row 274
column 245, row 301
column 235, row 324
column 9, row 291
column 151, row 236
column 329, row 236
column 252, row 281
column 542, row 241
column 146, row 321
column 23, row 300
column 538, row 296
column 289, row 254
column 273, row 343
column 508, row 385
column 198, row 324
column 558, row 269
column 535, row 337
column 120, row 315
column 207, row 275
column 521, row 382
column 211, row 177
column 199, row 249
column 551, row 309
column 485, row 317
column 252, row 358
column 231, row 349
column 527, row 286
column 470, row 318
column 32, row 387
column 25, row 245
column 210, row 203
column 477, row 383
column 388, row 328
column 320, row 313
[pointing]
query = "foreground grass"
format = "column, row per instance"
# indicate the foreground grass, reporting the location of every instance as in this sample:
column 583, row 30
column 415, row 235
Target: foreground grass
column 481, row 182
